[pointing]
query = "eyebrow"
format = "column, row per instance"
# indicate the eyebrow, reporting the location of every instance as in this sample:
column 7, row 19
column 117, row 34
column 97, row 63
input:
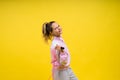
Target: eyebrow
column 57, row 26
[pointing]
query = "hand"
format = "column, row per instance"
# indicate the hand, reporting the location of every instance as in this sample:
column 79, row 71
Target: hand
column 64, row 62
column 61, row 67
column 57, row 47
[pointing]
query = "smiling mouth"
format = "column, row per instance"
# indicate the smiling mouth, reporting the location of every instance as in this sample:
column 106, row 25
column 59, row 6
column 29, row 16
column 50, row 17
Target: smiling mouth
column 60, row 31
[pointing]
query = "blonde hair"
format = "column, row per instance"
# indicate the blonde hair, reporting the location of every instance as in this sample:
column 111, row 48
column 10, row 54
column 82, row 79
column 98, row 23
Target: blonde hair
column 47, row 30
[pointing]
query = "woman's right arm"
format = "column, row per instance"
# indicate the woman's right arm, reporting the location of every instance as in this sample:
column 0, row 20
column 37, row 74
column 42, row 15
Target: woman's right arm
column 54, row 60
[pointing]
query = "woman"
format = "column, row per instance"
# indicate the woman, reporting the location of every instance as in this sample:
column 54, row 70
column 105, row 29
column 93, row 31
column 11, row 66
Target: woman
column 60, row 56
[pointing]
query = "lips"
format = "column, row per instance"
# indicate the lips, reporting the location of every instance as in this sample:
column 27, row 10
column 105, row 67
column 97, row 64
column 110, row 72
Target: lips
column 60, row 31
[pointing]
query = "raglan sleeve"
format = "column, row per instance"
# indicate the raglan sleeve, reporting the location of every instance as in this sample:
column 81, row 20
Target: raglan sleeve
column 54, row 60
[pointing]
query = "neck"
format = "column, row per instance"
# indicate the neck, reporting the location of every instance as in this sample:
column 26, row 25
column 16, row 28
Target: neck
column 58, row 36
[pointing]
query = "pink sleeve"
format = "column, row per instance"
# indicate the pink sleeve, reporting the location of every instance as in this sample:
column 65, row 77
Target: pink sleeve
column 54, row 58
column 64, row 56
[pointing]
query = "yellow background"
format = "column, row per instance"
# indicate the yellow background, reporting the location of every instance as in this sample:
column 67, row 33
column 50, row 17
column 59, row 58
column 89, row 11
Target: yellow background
column 91, row 31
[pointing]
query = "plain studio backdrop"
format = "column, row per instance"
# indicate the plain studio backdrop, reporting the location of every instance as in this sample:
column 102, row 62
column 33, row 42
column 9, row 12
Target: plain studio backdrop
column 91, row 30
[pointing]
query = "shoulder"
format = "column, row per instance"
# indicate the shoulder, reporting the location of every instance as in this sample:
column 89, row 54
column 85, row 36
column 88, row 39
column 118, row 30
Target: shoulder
column 54, row 43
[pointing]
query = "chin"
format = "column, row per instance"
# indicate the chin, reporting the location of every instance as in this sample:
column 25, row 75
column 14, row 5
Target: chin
column 60, row 33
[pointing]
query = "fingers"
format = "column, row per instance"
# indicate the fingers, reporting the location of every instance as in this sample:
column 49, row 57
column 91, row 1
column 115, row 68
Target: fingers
column 57, row 47
column 62, row 67
column 63, row 63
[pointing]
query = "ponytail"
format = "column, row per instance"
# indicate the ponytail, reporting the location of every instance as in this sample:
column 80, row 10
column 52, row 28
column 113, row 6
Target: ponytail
column 47, row 30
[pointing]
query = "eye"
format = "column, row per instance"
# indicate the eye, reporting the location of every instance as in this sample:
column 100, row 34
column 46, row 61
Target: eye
column 57, row 27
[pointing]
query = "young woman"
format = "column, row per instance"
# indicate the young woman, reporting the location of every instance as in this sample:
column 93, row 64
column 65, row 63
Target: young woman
column 60, row 56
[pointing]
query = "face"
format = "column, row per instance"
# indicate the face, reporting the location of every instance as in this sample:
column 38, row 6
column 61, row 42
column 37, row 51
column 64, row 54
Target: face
column 57, row 30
